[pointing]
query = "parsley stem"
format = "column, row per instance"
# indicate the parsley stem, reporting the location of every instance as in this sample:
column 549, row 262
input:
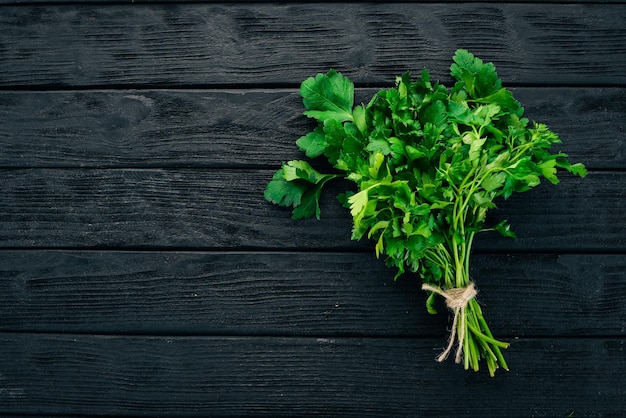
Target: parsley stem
column 486, row 338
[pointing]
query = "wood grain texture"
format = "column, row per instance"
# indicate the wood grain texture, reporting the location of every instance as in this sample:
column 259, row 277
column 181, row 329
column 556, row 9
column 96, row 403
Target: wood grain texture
column 278, row 44
column 357, row 377
column 230, row 129
column 143, row 274
column 32, row 2
column 213, row 209
column 299, row 294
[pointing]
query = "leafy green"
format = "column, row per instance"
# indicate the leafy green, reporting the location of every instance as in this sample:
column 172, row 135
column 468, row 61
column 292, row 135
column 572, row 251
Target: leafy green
column 298, row 185
column 329, row 96
column 428, row 163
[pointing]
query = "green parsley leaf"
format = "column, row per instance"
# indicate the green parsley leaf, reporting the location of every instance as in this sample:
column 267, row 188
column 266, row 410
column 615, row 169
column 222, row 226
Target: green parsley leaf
column 504, row 229
column 314, row 143
column 329, row 96
column 283, row 192
column 478, row 79
column 299, row 185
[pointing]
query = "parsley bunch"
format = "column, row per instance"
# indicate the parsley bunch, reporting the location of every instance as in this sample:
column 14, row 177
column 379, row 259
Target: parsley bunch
column 428, row 162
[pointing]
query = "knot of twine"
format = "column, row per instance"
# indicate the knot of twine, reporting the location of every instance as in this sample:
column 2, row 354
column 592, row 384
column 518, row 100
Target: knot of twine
column 456, row 300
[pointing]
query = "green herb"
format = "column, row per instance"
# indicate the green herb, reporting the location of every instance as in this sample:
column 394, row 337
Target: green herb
column 428, row 162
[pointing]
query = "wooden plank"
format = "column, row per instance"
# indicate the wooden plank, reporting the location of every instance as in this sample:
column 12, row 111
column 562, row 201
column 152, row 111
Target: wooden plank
column 261, row 44
column 299, row 294
column 347, row 377
column 245, row 128
column 150, row 128
column 226, row 209
column 28, row 2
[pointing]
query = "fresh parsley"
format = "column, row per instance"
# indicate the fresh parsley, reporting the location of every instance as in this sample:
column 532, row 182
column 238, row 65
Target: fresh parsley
column 428, row 162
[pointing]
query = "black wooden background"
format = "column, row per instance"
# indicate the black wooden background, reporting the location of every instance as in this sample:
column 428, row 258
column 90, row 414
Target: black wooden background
column 143, row 274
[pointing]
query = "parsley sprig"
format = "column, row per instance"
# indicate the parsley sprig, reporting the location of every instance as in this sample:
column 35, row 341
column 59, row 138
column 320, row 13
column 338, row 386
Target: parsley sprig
column 428, row 162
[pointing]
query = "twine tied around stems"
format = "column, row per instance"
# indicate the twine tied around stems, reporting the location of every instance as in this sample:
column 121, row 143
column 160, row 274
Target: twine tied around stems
column 456, row 300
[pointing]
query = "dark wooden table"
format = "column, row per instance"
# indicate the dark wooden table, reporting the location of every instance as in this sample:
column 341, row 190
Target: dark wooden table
column 143, row 274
